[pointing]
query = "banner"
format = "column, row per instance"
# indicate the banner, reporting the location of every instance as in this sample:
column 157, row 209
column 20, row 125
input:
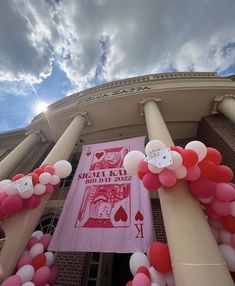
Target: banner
column 106, row 210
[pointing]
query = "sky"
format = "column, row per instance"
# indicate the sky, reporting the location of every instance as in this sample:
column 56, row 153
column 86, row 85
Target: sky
column 50, row 49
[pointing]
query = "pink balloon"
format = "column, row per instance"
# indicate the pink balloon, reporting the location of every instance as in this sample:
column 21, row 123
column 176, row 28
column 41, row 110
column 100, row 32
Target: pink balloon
column 211, row 214
column 24, row 260
column 141, row 279
column 193, row 173
column 167, row 178
column 54, row 273
column 203, row 187
column 220, row 207
column 45, row 240
column 49, row 189
column 41, row 276
column 32, row 241
column 11, row 204
column 151, row 181
column 12, row 281
column 32, row 202
column 2, row 196
column 224, row 192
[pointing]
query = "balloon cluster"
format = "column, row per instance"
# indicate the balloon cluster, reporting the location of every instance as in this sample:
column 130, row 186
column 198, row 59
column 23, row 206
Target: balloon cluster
column 36, row 266
column 209, row 181
column 153, row 269
column 42, row 180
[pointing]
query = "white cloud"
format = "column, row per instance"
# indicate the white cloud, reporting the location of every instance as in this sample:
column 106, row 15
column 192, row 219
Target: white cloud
column 140, row 37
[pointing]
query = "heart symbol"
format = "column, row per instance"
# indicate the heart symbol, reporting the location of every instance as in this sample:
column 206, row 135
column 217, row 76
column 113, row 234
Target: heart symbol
column 120, row 214
column 139, row 216
column 99, row 155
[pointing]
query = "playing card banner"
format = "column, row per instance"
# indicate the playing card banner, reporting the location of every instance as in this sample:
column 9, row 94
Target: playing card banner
column 105, row 210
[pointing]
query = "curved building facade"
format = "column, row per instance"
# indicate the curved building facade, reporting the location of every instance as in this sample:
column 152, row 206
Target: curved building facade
column 173, row 107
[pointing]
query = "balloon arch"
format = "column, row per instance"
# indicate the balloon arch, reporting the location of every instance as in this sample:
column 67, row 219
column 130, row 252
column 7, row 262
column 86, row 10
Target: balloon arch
column 209, row 181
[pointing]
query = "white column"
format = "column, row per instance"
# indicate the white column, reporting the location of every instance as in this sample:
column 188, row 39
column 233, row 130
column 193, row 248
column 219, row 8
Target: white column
column 227, row 107
column 13, row 159
column 195, row 256
column 19, row 227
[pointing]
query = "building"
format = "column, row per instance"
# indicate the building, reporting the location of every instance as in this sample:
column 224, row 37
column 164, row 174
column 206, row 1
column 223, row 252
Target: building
column 191, row 105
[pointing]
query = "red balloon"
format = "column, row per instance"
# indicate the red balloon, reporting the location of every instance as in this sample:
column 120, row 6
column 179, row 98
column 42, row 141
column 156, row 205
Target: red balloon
column 32, row 202
column 39, row 261
column 49, row 169
column 224, row 174
column 38, row 171
column 143, row 166
column 177, row 149
column 11, row 205
column 159, row 257
column 151, row 181
column 213, row 155
column 141, row 175
column 144, row 270
column 228, row 223
column 190, row 158
column 17, row 177
column 203, row 187
column 208, row 168
column 34, row 177
column 129, row 283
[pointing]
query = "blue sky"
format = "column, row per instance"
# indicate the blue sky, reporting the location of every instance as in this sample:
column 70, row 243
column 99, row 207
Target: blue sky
column 52, row 48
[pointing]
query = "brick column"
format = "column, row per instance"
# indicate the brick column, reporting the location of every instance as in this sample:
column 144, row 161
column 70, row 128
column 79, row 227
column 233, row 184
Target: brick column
column 10, row 162
column 195, row 256
column 19, row 227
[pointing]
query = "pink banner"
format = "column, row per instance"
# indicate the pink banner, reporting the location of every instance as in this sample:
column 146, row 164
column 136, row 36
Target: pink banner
column 106, row 210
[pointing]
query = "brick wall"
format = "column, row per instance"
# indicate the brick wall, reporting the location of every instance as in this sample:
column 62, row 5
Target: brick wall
column 72, row 266
column 219, row 132
column 158, row 221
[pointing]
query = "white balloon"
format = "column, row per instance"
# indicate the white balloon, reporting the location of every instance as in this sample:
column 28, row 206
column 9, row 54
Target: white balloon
column 38, row 234
column 63, row 168
column 26, row 273
column 138, row 259
column 154, row 169
column 199, row 148
column 225, row 236
column 131, row 161
column 36, row 249
column 154, row 145
column 27, row 194
column 228, row 253
column 54, row 180
column 157, row 277
column 10, row 190
column 44, row 178
column 181, row 172
column 4, row 184
column 28, row 284
column 50, row 258
column 170, row 281
column 39, row 189
column 177, row 161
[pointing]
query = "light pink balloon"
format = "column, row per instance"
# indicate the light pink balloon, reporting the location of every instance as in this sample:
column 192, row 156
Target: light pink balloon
column 45, row 240
column 181, row 172
column 220, row 207
column 36, row 249
column 224, row 192
column 193, row 173
column 24, row 260
column 39, row 189
column 141, row 279
column 12, row 281
column 41, row 276
column 54, row 180
column 44, row 178
column 50, row 258
column 167, row 178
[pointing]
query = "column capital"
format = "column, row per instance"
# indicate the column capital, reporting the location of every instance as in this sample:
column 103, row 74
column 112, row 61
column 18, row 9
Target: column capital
column 218, row 99
column 36, row 132
column 143, row 101
column 84, row 114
